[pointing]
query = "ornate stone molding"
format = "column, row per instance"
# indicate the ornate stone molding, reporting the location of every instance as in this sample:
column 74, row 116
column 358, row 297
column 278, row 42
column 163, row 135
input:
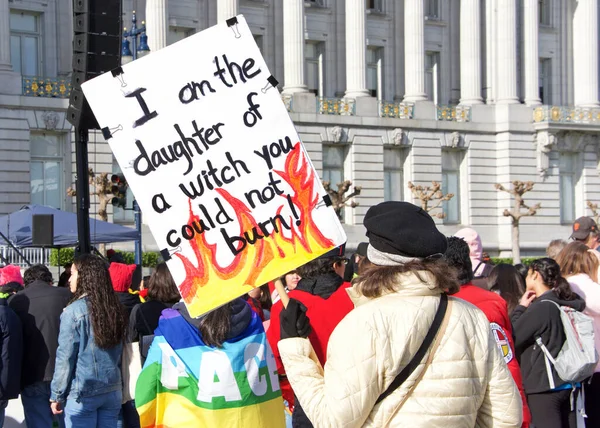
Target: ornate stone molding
column 396, row 137
column 575, row 141
column 544, row 142
column 50, row 119
column 454, row 140
column 337, row 135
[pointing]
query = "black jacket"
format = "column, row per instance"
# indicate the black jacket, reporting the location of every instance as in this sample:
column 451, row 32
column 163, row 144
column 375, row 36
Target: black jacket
column 144, row 318
column 543, row 320
column 39, row 307
column 11, row 353
column 128, row 300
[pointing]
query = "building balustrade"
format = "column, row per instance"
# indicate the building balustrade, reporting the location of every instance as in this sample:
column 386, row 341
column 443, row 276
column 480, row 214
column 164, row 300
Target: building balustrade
column 453, row 113
column 396, row 110
column 337, row 106
column 47, row 87
column 564, row 114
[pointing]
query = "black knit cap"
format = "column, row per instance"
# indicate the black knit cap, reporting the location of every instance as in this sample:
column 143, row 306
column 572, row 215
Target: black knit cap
column 403, row 229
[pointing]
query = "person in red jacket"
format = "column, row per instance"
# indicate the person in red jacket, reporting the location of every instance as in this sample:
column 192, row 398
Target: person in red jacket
column 493, row 306
column 322, row 291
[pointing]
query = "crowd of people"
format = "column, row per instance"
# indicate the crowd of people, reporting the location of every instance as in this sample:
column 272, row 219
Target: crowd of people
column 414, row 329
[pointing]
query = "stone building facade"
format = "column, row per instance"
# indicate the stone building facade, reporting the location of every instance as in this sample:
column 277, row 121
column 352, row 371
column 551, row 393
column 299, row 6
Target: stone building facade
column 465, row 92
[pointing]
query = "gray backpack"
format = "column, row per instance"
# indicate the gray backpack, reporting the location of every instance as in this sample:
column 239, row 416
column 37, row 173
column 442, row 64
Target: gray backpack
column 577, row 358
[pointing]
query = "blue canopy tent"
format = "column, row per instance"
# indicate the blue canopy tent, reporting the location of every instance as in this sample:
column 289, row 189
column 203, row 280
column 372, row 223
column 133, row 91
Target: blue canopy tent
column 17, row 228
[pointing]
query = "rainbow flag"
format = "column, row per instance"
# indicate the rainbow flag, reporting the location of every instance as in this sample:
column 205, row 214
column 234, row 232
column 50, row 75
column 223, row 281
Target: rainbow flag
column 185, row 383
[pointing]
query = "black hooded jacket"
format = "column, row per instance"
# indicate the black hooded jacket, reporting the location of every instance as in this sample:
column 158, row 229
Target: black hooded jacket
column 541, row 319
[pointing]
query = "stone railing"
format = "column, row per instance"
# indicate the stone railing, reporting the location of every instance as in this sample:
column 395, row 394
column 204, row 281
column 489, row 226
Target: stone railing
column 451, row 113
column 336, row 106
column 47, row 87
column 396, row 110
column 562, row 114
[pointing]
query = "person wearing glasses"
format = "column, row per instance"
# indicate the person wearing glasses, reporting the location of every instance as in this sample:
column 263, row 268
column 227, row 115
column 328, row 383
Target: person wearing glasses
column 322, row 292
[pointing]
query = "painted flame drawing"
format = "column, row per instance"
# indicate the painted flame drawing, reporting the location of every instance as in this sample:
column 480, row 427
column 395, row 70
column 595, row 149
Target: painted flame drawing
column 208, row 284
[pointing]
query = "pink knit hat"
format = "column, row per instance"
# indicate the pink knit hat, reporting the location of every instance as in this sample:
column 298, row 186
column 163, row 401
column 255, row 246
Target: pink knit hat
column 121, row 276
column 10, row 273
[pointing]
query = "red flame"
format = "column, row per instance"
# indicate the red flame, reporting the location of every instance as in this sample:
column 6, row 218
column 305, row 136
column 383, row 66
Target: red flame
column 247, row 266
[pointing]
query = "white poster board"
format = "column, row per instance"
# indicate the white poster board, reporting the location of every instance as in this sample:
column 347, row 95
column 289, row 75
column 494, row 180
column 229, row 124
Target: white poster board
column 215, row 164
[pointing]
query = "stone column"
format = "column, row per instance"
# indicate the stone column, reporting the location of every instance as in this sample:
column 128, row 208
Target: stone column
column 227, row 9
column 356, row 49
column 5, row 64
column 293, row 46
column 10, row 81
column 470, row 52
column 506, row 60
column 157, row 24
column 414, row 42
column 532, row 58
column 585, row 53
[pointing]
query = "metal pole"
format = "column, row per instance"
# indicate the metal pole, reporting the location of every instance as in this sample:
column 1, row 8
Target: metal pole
column 11, row 245
column 82, row 189
column 137, row 215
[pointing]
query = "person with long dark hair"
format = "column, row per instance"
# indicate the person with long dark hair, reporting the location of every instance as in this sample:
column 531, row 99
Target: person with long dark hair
column 87, row 376
column 162, row 294
column 536, row 317
column 506, row 280
column 227, row 340
column 579, row 265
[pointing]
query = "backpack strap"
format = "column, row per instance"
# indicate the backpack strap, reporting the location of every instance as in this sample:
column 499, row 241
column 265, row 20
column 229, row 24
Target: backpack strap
column 547, row 355
column 418, row 357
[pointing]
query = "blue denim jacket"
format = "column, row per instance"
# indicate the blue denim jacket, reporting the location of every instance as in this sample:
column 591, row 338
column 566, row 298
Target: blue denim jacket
column 82, row 368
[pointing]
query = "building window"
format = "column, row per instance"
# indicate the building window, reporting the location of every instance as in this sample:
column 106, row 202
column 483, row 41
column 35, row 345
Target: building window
column 47, row 175
column 566, row 166
column 375, row 5
column 333, row 167
column 432, row 9
column 25, row 41
column 119, row 214
column 320, row 3
column 432, row 76
column 451, row 160
column 333, row 164
column 258, row 38
column 314, row 55
column 544, row 12
column 545, row 80
column 393, row 173
column 179, row 33
column 375, row 71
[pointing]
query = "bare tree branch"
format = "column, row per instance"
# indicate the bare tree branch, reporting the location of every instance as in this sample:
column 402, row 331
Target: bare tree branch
column 338, row 197
column 430, row 195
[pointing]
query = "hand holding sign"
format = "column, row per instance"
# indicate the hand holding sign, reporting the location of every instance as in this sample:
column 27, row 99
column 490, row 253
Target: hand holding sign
column 215, row 164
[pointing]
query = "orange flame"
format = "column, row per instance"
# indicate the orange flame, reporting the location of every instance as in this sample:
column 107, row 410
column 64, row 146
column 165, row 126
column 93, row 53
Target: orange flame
column 208, row 284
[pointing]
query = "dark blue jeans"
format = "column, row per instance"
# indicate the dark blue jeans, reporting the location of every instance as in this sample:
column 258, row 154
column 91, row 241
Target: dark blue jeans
column 36, row 406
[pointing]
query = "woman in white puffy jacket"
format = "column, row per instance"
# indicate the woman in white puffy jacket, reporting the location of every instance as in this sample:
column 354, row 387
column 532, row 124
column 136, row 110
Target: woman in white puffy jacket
column 465, row 383
column 579, row 265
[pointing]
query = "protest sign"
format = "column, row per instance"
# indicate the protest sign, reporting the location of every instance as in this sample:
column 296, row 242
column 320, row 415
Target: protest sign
column 215, row 163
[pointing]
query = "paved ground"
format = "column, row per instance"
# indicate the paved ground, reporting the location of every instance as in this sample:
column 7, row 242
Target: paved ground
column 14, row 415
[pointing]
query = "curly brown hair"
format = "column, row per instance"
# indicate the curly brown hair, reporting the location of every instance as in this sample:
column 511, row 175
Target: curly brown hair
column 162, row 287
column 373, row 281
column 107, row 315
